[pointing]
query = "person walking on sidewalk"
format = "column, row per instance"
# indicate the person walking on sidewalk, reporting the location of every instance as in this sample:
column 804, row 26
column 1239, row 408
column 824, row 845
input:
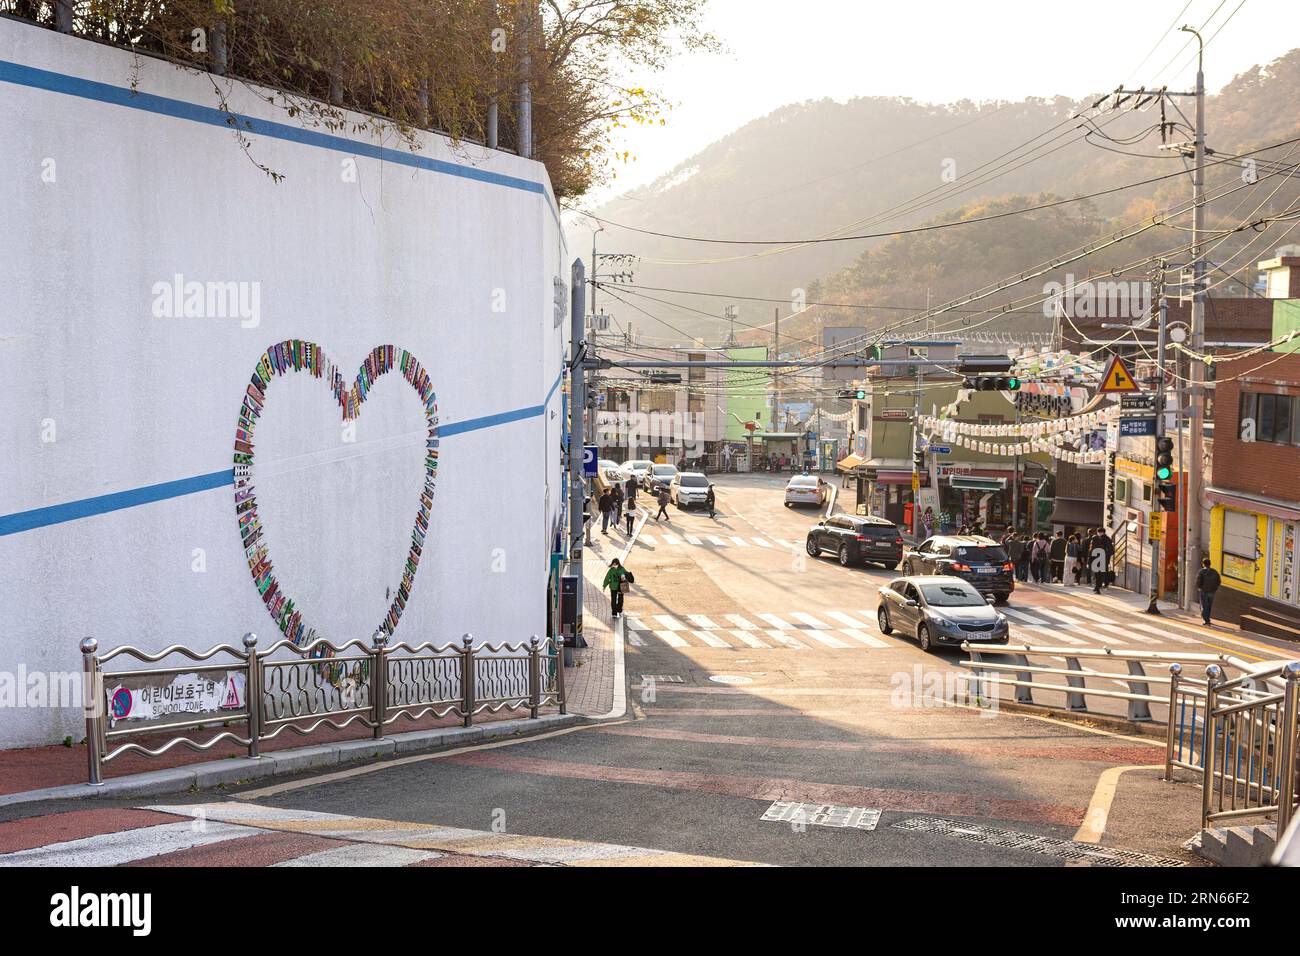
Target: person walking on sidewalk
column 1098, row 558
column 1057, row 555
column 663, row 505
column 617, row 578
column 711, row 501
column 616, row 496
column 631, row 518
column 606, row 505
column 1207, row 583
column 1072, row 566
column 629, row 492
column 1038, row 559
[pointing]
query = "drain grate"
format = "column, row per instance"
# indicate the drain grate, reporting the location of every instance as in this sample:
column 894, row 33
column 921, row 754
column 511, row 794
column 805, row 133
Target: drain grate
column 822, row 815
column 1033, row 843
column 661, row 679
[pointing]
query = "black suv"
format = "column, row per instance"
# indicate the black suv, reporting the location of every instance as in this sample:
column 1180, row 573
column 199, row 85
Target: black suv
column 857, row 539
column 973, row 558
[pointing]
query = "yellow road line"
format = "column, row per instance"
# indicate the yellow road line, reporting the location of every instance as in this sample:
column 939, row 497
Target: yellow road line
column 1094, row 820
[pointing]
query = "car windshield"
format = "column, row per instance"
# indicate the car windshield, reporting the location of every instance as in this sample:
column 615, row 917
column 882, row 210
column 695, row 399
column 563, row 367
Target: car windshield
column 694, row 481
column 877, row 531
column 638, row 464
column 981, row 555
column 951, row 595
column 803, row 482
column 665, row 469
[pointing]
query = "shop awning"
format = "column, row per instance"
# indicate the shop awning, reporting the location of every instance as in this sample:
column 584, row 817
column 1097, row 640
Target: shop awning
column 1079, row 512
column 849, row 462
column 1286, row 510
column 968, row 483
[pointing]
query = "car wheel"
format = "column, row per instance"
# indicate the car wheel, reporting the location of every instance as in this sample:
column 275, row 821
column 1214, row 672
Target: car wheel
column 923, row 638
column 787, row 504
column 882, row 618
column 813, row 550
column 1001, row 598
column 845, row 561
column 907, row 569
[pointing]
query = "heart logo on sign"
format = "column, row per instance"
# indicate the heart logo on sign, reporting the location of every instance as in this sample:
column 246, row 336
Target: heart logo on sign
column 294, row 356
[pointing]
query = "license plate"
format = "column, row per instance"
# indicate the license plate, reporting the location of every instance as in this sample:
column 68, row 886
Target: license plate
column 984, row 570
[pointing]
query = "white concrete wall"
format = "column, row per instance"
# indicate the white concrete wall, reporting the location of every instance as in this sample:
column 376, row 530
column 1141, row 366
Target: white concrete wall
column 104, row 200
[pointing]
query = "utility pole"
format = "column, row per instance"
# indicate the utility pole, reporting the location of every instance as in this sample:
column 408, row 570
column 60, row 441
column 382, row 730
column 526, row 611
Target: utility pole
column 776, row 373
column 1153, row 605
column 577, row 415
column 916, row 447
column 1196, row 370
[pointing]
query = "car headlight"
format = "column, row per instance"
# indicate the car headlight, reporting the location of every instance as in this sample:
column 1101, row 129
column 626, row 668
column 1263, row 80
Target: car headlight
column 941, row 621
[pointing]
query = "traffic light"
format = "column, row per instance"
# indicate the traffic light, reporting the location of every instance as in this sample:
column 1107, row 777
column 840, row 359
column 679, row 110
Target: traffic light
column 859, row 394
column 993, row 383
column 918, row 459
column 1166, row 486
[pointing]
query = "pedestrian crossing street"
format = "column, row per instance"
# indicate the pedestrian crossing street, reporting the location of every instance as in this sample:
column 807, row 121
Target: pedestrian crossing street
column 672, row 539
column 841, row 630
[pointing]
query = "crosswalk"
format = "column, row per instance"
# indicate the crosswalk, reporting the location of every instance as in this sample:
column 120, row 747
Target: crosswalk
column 1063, row 625
column 683, row 538
column 246, row 834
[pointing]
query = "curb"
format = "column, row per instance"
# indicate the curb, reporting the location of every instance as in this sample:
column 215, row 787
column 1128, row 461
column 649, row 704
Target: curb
column 285, row 762
column 1153, row 729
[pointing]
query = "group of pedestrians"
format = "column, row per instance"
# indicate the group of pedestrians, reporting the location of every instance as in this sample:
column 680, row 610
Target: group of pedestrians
column 611, row 503
column 1078, row 558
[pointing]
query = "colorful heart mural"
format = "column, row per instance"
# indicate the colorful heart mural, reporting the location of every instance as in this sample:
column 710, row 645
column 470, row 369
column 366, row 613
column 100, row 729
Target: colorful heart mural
column 295, row 355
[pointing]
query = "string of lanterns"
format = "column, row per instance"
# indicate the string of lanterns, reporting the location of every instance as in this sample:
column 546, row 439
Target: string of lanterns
column 1050, row 437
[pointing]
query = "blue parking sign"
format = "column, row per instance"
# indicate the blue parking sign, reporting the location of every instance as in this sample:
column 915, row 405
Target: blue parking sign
column 589, row 460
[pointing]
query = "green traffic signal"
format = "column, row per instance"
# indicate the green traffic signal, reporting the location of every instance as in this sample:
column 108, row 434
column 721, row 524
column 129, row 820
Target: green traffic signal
column 1164, row 473
column 1013, row 384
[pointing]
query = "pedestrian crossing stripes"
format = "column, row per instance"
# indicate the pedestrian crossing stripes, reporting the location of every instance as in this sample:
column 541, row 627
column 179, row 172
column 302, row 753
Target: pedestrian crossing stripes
column 713, row 541
column 249, row 834
column 1066, row 626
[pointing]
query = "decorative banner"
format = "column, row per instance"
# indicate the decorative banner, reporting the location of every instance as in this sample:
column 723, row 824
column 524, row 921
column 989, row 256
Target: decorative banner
column 292, row 356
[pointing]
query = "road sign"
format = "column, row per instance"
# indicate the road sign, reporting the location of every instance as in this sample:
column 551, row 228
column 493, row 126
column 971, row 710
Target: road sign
column 941, row 449
column 1129, row 427
column 916, row 482
column 589, row 460
column 1155, row 526
column 1138, row 402
column 1118, row 378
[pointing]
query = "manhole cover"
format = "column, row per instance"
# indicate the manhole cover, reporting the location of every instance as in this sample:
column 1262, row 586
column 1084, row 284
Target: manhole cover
column 661, row 679
column 731, row 679
column 1033, row 843
column 822, row 815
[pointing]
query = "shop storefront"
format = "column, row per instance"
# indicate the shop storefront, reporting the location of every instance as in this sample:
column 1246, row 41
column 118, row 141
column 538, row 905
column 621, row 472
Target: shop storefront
column 1253, row 543
column 970, row 496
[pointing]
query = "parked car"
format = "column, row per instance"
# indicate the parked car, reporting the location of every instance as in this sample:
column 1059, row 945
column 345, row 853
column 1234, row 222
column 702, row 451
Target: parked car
column 805, row 490
column 939, row 609
column 976, row 559
column 637, row 469
column 857, row 539
column 658, row 476
column 689, row 488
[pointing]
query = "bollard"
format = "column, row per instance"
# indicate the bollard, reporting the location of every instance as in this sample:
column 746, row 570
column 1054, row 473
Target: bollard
column 378, row 683
column 467, row 679
column 93, row 705
column 534, row 678
column 559, row 677
column 1209, row 740
column 253, row 694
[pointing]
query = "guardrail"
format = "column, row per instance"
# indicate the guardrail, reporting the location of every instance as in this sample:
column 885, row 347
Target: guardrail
column 254, row 698
column 1249, row 765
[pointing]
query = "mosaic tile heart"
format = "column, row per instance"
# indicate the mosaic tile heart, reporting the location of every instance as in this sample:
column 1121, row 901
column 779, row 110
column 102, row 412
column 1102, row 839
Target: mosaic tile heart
column 296, row 356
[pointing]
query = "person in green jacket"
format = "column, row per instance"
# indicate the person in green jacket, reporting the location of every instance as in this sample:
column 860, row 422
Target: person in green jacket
column 614, row 579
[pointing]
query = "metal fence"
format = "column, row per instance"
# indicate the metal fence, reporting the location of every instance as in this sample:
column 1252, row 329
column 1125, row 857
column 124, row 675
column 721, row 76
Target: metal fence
column 251, row 696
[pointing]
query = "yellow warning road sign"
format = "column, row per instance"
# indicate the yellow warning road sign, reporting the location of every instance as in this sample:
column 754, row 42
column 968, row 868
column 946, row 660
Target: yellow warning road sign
column 1118, row 378
column 1155, row 526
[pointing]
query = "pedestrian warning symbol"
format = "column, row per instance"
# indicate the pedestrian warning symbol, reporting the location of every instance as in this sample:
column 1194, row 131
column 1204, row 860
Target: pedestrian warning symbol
column 1118, row 378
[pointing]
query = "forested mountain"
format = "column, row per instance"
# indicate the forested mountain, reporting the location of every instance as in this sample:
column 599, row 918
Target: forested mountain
column 877, row 165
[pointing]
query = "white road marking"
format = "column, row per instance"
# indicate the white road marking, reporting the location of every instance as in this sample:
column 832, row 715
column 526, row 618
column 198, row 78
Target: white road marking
column 776, row 622
column 127, row 846
column 809, row 620
column 1165, row 634
column 763, row 542
column 671, row 539
column 671, row 639
column 361, row 854
column 634, row 639
column 864, row 637
column 739, row 542
column 784, row 638
column 670, row 623
column 1020, row 617
column 699, row 620
column 1126, row 633
column 846, row 618
column 691, row 539
column 739, row 621
column 786, row 544
column 646, row 539
column 708, row 637
column 1082, row 612
column 717, row 542
column 747, row 637
column 825, row 638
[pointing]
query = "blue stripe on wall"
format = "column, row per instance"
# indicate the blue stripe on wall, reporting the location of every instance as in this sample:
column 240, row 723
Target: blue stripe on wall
column 21, row 75
column 103, row 504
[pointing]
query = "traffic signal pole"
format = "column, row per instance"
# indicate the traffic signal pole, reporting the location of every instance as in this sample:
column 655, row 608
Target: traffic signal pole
column 1156, row 506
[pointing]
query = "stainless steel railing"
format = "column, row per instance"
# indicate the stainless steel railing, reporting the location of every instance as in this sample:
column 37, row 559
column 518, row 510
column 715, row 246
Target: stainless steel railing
column 302, row 689
column 1250, row 747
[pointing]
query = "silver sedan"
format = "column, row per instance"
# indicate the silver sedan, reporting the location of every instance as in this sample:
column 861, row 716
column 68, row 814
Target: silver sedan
column 939, row 610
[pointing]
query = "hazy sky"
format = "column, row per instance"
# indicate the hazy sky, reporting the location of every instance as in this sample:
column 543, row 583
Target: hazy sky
column 782, row 52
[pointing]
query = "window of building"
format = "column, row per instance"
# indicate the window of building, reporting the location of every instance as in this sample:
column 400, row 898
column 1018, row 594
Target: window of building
column 695, row 400
column 1240, row 545
column 1270, row 418
column 696, row 373
column 657, row 400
